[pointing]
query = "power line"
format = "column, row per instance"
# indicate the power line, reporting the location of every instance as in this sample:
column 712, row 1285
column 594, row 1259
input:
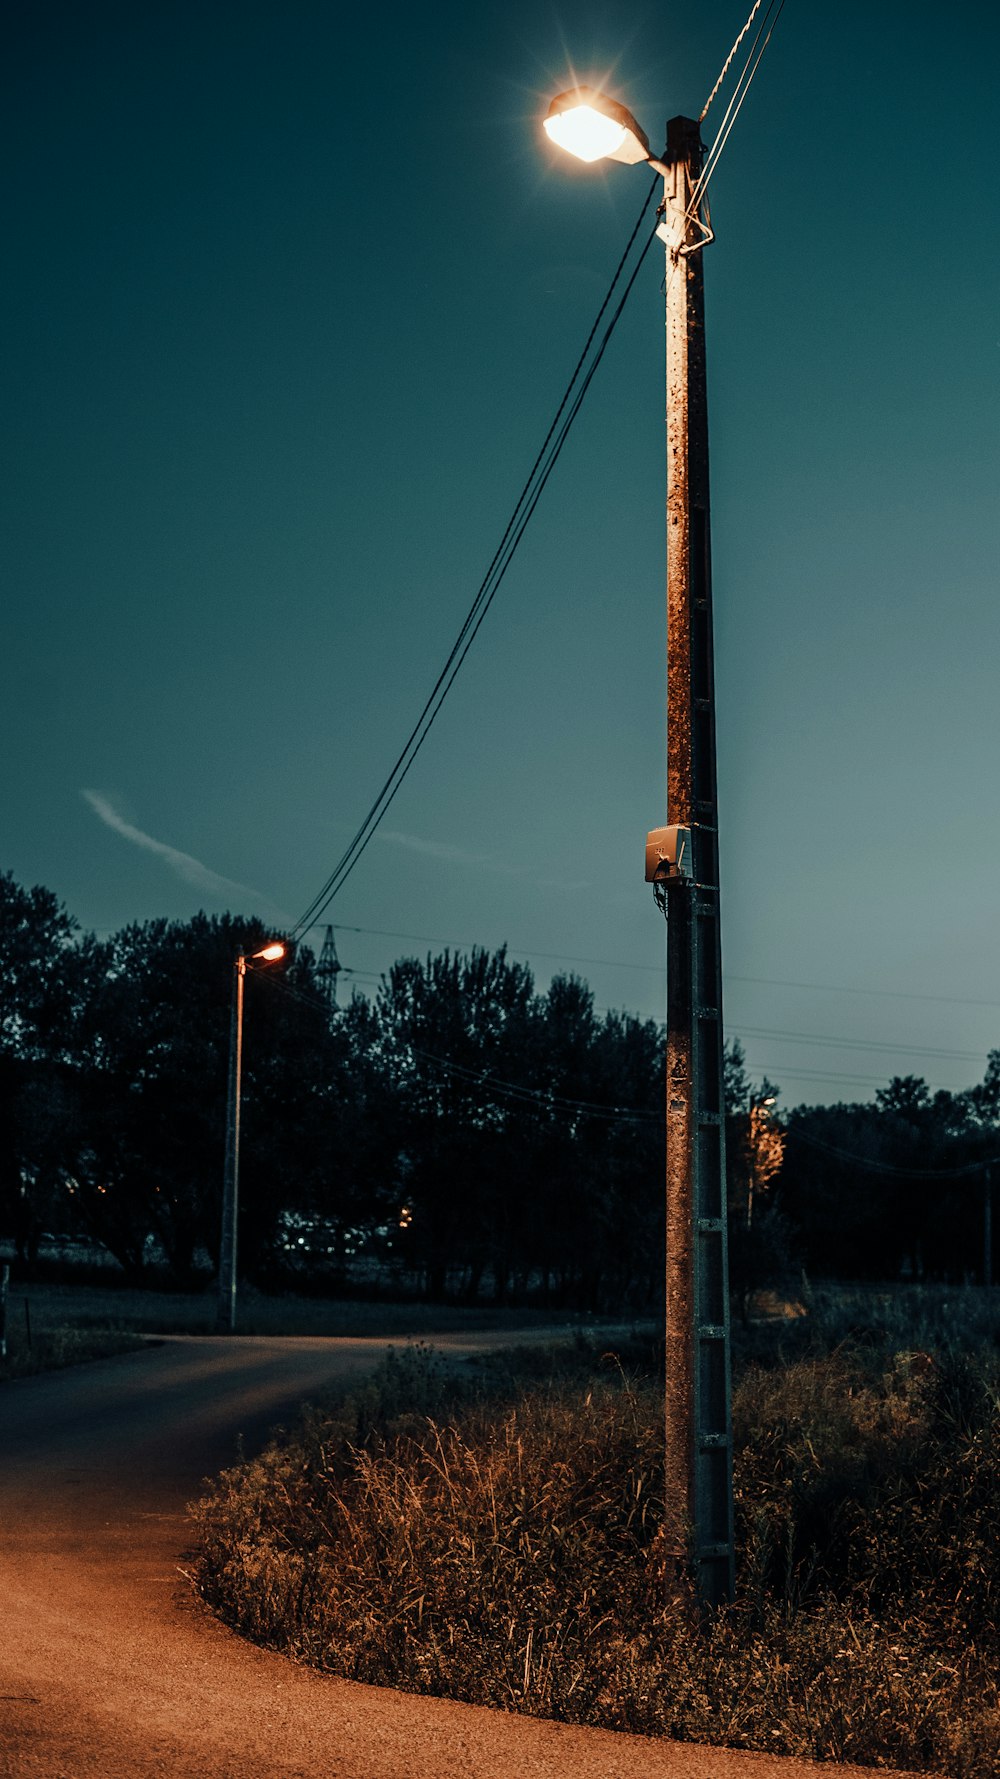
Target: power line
column 542, row 1098
column 515, row 950
column 282, row 986
column 888, row 1167
column 787, row 1073
column 727, row 64
column 815, row 1039
column 760, row 1033
column 531, row 493
column 894, row 994
column 419, row 734
column 520, row 518
column 617, row 963
column 735, row 105
column 822, row 1075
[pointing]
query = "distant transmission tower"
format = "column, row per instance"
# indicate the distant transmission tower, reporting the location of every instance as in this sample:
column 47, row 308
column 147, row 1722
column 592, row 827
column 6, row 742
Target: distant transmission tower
column 328, row 969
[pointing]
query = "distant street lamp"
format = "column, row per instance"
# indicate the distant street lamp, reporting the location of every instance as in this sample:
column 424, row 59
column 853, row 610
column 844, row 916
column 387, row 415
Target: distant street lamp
column 226, row 1317
column 682, row 865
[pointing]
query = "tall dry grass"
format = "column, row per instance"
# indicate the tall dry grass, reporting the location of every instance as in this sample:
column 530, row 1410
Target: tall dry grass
column 497, row 1542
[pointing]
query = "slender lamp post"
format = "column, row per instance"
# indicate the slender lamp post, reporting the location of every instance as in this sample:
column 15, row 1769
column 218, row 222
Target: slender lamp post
column 682, row 864
column 226, row 1317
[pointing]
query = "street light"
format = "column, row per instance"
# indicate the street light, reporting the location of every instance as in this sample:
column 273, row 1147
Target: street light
column 226, row 1316
column 682, row 865
column 593, row 127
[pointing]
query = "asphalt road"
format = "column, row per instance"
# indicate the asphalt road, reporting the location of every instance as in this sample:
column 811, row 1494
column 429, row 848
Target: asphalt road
column 110, row 1668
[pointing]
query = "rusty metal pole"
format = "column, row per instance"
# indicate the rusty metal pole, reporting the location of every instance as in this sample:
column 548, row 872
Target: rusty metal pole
column 699, row 1490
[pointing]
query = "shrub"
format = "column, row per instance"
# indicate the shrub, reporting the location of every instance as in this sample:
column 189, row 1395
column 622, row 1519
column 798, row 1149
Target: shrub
column 497, row 1543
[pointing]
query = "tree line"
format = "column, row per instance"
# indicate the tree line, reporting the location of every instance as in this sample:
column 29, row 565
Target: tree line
column 460, row 1133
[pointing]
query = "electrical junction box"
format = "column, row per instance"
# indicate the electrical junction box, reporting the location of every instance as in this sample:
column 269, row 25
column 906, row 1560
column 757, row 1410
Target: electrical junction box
column 668, row 854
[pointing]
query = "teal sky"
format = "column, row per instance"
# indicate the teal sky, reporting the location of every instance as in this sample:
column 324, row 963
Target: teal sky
column 291, row 297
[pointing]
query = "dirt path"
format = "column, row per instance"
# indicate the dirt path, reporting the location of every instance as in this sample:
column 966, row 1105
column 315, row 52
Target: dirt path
column 110, row 1669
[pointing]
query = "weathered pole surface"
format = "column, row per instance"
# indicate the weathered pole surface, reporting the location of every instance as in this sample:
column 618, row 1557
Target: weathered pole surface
column 699, row 1490
column 226, row 1316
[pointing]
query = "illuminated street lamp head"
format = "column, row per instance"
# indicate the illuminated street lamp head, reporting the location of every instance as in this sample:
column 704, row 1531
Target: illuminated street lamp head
column 270, row 953
column 593, row 127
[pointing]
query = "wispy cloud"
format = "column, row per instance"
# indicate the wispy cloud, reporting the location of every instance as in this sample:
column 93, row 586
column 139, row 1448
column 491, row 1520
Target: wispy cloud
column 189, row 869
column 449, row 854
column 433, row 849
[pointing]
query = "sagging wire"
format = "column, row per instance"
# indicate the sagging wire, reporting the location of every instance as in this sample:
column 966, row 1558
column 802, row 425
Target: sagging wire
column 735, row 105
column 887, row 1167
column 543, row 1100
column 613, row 963
column 547, row 456
column 540, row 1098
column 727, row 64
column 524, row 508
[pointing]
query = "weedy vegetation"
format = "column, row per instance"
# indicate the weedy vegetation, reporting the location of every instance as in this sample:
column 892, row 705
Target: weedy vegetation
column 51, row 1325
column 494, row 1537
column 265, row 1313
column 49, row 1348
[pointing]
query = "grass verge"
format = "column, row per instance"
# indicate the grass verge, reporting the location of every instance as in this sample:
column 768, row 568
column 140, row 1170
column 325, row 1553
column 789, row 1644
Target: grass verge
column 48, row 1349
column 51, row 1325
column 194, row 1312
column 495, row 1539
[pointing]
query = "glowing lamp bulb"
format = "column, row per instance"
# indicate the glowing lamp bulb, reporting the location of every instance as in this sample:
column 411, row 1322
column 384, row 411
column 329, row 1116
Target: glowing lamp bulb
column 585, row 132
column 595, row 128
column 271, row 953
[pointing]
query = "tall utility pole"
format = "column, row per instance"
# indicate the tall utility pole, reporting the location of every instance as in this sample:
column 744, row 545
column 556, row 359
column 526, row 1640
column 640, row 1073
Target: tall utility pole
column 699, row 1479
column 682, row 861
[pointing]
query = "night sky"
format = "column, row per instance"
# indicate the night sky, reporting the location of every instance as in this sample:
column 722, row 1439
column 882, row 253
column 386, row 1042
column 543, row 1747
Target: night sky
column 291, row 297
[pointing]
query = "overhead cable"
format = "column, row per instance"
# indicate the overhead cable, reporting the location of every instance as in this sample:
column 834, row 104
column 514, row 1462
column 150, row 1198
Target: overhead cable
column 727, row 64
column 531, row 492
column 559, row 1102
column 887, row 1167
column 541, row 1098
column 521, row 515
column 869, row 1044
column 827, row 1075
column 735, row 105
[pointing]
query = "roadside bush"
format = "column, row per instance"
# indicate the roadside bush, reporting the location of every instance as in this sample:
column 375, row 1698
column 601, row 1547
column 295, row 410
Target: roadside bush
column 498, row 1542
